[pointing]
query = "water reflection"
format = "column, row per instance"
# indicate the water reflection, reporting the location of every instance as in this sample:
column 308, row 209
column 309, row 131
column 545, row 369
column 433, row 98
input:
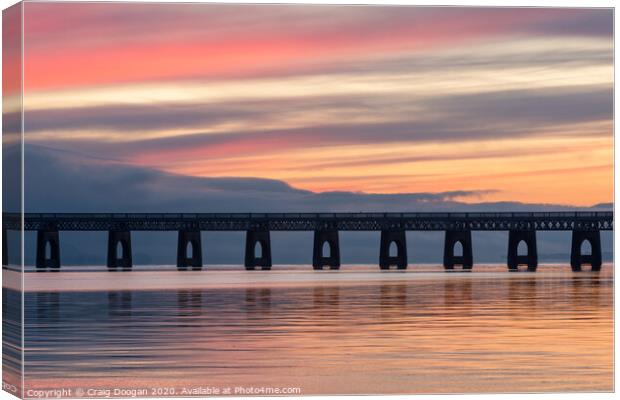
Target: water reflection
column 119, row 304
column 457, row 292
column 189, row 303
column 588, row 289
column 524, row 292
column 257, row 301
column 326, row 298
column 11, row 339
column 378, row 337
column 48, row 307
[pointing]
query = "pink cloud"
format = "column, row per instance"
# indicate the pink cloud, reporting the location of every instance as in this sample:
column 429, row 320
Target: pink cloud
column 11, row 49
column 88, row 44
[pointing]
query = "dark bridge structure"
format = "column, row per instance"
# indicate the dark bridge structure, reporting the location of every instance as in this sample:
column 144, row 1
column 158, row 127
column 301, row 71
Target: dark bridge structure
column 522, row 227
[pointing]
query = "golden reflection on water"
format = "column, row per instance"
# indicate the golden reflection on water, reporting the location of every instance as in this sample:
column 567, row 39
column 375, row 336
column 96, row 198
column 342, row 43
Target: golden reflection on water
column 452, row 334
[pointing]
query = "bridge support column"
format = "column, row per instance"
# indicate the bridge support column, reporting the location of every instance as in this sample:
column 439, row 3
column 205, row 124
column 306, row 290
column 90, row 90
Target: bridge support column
column 319, row 260
column 186, row 238
column 44, row 239
column 252, row 239
column 5, row 248
column 399, row 239
column 449, row 259
column 125, row 261
column 514, row 259
column 595, row 259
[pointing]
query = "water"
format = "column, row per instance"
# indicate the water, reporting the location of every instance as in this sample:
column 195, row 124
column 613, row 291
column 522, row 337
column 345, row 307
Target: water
column 354, row 331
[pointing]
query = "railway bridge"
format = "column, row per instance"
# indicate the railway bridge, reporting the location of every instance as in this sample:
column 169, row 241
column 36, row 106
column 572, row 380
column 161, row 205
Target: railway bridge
column 522, row 227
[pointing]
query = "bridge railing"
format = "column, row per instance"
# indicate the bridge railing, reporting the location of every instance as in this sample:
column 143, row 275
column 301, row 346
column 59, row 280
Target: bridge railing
column 321, row 215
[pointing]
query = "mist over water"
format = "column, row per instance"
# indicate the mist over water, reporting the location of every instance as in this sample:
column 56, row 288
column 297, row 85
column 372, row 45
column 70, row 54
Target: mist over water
column 352, row 331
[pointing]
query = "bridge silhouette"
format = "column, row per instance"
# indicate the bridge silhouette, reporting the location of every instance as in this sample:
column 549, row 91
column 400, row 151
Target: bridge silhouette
column 522, row 227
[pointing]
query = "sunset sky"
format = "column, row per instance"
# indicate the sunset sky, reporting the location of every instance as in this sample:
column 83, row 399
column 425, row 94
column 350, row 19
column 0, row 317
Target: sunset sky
column 501, row 104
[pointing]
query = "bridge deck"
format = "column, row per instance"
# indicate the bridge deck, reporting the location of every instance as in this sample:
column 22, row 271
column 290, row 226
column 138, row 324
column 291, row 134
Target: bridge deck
column 478, row 221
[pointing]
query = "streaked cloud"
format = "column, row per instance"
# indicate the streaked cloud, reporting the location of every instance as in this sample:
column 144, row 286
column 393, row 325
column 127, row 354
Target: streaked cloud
column 60, row 181
column 95, row 44
column 502, row 64
column 379, row 114
column 332, row 98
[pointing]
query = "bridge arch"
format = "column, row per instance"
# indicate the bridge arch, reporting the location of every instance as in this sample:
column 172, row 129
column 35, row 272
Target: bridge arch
column 48, row 250
column 522, row 248
column 258, row 249
column 394, row 250
column 327, row 249
column 118, row 251
column 586, row 247
column 457, row 250
column 190, row 249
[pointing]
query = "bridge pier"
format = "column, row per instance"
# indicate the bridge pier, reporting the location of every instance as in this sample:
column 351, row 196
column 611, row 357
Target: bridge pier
column 577, row 259
column 124, row 238
column 319, row 260
column 252, row 239
column 186, row 238
column 399, row 238
column 531, row 258
column 48, row 238
column 451, row 239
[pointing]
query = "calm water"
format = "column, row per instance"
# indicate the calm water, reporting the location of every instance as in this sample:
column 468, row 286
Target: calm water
column 353, row 331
